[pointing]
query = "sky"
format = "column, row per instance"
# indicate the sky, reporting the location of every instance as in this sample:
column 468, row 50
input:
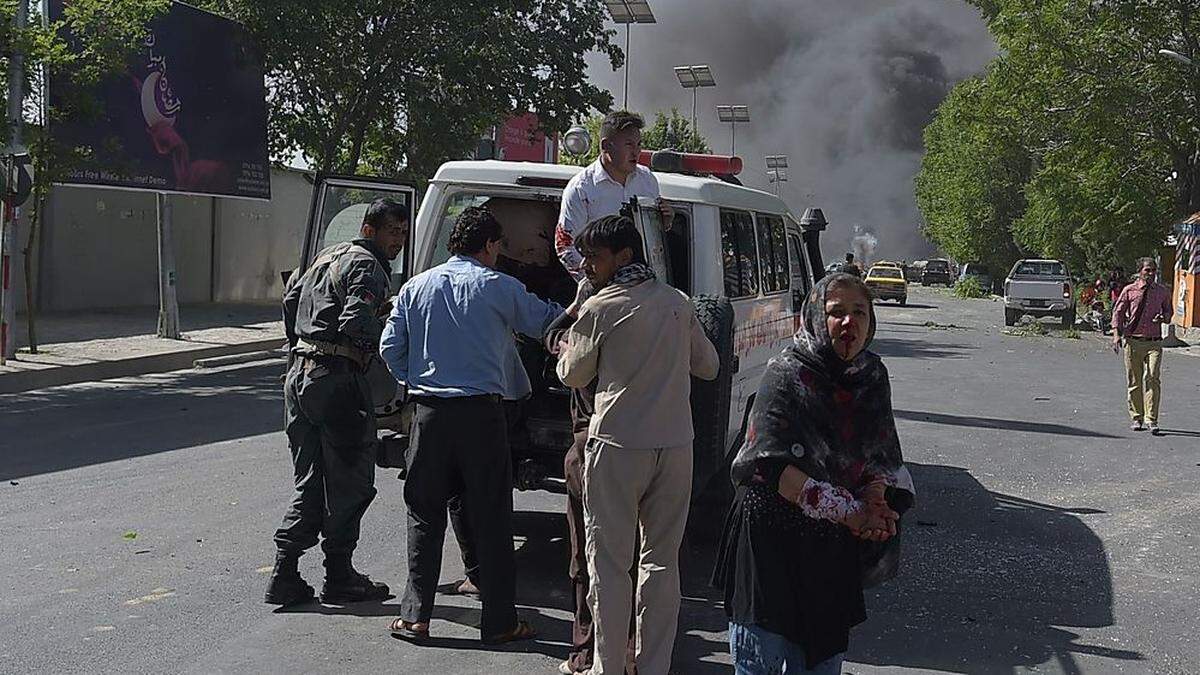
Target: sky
column 843, row 87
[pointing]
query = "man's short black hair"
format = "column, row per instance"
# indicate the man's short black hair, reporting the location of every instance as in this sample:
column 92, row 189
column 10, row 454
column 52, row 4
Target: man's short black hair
column 381, row 210
column 475, row 228
column 618, row 121
column 615, row 233
column 849, row 257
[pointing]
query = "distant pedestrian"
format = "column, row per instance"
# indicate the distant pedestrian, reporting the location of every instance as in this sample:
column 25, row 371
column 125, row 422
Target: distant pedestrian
column 1116, row 282
column 449, row 339
column 820, row 478
column 332, row 318
column 1138, row 315
column 639, row 339
column 850, row 267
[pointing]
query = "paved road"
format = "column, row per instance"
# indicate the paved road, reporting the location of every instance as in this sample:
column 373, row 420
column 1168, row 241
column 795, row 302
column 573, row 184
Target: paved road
column 1047, row 536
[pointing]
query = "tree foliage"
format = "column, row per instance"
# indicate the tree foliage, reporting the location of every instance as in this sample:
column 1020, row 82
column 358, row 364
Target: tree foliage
column 674, row 131
column 92, row 40
column 398, row 86
column 1089, row 136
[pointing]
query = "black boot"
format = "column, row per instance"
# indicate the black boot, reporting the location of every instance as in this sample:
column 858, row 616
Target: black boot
column 287, row 587
column 344, row 584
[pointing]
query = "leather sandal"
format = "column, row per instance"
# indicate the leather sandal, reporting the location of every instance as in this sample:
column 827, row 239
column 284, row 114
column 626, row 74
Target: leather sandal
column 522, row 631
column 407, row 629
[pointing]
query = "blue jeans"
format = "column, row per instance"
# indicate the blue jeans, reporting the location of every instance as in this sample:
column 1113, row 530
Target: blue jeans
column 760, row 652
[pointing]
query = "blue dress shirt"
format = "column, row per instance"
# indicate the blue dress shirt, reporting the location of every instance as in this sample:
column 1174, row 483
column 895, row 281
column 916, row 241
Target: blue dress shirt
column 451, row 331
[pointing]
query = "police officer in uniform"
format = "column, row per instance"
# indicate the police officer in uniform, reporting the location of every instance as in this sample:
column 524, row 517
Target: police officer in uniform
column 333, row 315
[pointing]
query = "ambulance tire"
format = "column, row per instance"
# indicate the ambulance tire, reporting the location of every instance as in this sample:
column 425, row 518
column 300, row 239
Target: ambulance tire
column 712, row 490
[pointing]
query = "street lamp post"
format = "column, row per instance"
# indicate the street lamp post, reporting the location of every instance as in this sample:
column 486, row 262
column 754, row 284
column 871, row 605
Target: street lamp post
column 777, row 170
column 629, row 12
column 695, row 77
column 734, row 115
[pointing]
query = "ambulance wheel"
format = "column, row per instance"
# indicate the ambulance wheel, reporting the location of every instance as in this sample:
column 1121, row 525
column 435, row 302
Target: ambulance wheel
column 712, row 490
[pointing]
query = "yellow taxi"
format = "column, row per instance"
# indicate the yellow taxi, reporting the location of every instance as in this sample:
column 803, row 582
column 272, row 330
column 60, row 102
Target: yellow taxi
column 887, row 283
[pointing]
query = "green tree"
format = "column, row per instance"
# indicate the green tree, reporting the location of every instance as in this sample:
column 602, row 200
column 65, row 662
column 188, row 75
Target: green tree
column 91, row 41
column 1108, row 125
column 674, row 131
column 969, row 189
column 399, row 86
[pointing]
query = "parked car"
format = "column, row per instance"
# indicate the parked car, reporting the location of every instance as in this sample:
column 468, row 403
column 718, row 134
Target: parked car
column 738, row 252
column 1039, row 288
column 937, row 271
column 887, row 283
column 979, row 273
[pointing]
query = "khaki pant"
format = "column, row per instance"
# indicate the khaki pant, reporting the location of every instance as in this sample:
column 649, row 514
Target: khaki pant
column 622, row 490
column 1143, row 359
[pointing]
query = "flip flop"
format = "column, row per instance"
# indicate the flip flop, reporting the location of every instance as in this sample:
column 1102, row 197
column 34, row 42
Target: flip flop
column 522, row 631
column 465, row 587
column 403, row 629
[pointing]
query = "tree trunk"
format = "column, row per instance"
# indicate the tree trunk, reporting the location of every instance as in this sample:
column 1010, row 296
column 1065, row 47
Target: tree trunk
column 356, row 145
column 30, row 250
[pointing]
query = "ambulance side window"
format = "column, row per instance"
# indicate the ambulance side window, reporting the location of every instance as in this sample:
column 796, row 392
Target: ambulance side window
column 739, row 255
column 772, row 250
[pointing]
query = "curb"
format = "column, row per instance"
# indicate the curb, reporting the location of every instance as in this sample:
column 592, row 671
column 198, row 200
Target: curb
column 235, row 359
column 13, row 383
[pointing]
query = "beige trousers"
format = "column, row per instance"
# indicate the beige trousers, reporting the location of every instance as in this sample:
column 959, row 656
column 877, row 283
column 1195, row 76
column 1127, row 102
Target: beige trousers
column 624, row 490
column 1143, row 364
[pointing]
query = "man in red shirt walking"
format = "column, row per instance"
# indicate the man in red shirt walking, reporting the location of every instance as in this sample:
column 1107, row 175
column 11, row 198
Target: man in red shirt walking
column 1138, row 315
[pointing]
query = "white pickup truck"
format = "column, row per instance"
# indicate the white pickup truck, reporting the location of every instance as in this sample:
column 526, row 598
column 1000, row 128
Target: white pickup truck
column 1039, row 288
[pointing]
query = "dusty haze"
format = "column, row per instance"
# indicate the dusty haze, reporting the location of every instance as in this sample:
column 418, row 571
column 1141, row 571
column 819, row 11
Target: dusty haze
column 844, row 88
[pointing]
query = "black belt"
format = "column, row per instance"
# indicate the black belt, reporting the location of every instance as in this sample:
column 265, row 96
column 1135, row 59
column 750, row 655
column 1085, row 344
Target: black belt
column 476, row 398
column 1144, row 338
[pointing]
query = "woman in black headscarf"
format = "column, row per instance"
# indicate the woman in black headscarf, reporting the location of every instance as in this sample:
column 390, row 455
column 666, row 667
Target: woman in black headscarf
column 820, row 481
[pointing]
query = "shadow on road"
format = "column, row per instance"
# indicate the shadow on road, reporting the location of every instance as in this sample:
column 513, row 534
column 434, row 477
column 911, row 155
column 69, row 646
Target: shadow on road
column 891, row 347
column 1180, row 432
column 994, row 423
column 990, row 583
column 908, row 306
column 68, row 427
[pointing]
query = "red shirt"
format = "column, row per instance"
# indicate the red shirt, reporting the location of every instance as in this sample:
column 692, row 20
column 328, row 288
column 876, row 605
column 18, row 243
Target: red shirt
column 1158, row 302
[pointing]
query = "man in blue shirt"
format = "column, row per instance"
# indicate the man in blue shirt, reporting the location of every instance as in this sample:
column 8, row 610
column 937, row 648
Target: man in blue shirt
column 449, row 340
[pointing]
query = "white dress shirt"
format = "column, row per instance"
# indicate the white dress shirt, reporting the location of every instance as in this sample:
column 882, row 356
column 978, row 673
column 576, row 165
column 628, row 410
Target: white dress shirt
column 590, row 195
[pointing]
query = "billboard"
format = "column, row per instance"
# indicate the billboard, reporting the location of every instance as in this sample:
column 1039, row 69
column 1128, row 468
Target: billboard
column 519, row 139
column 188, row 115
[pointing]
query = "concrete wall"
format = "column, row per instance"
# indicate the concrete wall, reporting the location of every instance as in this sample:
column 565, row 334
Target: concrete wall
column 99, row 248
column 258, row 240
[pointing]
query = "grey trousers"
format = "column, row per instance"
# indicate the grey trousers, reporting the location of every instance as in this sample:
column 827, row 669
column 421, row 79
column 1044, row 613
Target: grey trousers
column 330, row 423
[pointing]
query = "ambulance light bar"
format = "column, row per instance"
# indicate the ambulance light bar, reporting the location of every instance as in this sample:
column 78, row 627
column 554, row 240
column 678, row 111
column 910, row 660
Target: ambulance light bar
column 669, row 161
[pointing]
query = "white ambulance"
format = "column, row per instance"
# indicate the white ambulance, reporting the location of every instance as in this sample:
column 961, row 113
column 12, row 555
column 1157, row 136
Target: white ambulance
column 739, row 252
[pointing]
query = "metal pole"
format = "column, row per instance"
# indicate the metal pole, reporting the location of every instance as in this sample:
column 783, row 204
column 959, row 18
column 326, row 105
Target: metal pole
column 694, row 110
column 733, row 138
column 16, row 97
column 168, row 304
column 627, row 65
column 8, row 343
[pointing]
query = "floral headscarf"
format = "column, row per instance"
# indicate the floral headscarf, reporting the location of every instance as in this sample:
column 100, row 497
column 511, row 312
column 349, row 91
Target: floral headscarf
column 830, row 417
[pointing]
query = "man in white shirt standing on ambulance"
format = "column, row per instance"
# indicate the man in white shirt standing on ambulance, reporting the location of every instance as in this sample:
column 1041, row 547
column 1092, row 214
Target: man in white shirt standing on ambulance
column 601, row 189
column 606, row 185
